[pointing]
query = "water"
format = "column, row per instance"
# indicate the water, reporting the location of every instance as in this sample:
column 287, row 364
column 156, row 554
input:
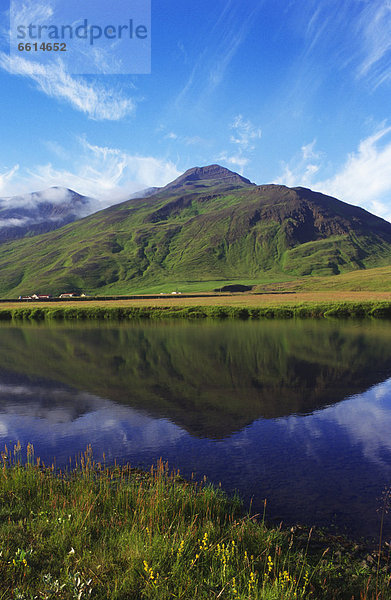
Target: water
column 295, row 412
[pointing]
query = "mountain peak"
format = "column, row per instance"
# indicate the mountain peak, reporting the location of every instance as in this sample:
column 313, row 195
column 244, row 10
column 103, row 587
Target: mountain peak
column 41, row 211
column 207, row 176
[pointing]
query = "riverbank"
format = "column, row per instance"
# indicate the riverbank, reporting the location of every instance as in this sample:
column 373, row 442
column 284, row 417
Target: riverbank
column 250, row 307
column 119, row 533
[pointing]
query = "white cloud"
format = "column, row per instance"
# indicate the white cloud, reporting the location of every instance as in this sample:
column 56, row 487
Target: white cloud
column 373, row 29
column 365, row 178
column 108, row 174
column 31, row 11
column 194, row 140
column 298, row 176
column 91, row 59
column 113, row 168
column 367, row 421
column 29, row 205
column 57, row 149
column 300, row 170
column 245, row 133
column 353, row 36
column 219, row 47
column 365, row 418
column 95, row 100
column 30, row 200
column 184, row 139
column 238, row 161
column 13, row 222
column 6, row 178
column 308, row 151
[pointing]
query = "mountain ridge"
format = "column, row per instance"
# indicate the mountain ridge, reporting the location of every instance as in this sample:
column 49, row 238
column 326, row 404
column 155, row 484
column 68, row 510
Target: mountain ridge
column 203, row 230
column 39, row 212
column 207, row 176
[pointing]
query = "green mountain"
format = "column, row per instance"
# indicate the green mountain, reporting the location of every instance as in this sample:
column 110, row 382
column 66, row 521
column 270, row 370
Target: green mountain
column 209, row 227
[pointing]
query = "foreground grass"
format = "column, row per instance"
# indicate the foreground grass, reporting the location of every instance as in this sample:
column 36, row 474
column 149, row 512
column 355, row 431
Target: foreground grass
column 251, row 307
column 117, row 533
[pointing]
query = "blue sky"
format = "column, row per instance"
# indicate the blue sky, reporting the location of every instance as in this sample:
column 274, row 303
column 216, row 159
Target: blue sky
column 283, row 91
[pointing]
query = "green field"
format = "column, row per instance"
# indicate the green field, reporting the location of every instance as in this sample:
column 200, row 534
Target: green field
column 371, row 280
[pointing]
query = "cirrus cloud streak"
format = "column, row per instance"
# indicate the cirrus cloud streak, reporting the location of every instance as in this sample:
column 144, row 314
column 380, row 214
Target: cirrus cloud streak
column 95, row 100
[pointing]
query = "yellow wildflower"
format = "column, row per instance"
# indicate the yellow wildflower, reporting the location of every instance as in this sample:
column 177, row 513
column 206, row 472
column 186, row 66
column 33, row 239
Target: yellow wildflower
column 269, row 564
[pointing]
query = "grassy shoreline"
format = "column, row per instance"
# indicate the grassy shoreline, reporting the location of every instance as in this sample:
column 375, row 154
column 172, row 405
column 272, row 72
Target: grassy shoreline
column 120, row 533
column 343, row 309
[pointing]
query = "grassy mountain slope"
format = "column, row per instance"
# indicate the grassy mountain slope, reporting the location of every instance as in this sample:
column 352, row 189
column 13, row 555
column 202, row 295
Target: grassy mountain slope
column 210, row 225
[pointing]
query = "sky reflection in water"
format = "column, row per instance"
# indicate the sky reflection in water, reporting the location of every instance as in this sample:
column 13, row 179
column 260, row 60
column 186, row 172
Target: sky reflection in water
column 325, row 462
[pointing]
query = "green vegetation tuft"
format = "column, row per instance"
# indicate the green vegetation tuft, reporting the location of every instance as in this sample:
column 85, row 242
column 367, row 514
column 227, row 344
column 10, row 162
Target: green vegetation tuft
column 121, row 534
column 377, row 309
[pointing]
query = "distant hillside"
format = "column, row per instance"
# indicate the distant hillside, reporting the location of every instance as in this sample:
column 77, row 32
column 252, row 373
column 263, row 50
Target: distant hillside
column 39, row 212
column 208, row 227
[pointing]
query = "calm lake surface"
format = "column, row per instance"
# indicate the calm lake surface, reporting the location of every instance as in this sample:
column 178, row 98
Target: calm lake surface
column 295, row 412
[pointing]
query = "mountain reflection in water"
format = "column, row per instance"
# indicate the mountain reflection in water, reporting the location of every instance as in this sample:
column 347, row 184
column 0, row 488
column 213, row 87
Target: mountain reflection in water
column 298, row 412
